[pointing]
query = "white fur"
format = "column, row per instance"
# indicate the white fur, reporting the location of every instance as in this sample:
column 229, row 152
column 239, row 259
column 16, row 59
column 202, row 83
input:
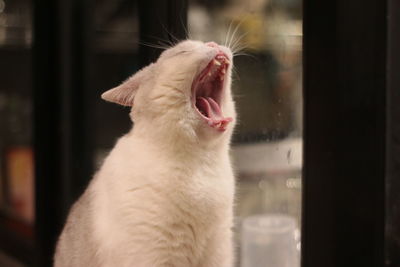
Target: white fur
column 164, row 195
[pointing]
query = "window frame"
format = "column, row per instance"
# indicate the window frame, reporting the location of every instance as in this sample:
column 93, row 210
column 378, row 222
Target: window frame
column 392, row 197
column 351, row 133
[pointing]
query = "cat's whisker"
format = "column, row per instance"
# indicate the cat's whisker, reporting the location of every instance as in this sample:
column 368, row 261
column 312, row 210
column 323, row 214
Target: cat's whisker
column 238, row 95
column 168, row 44
column 234, row 32
column 228, row 32
column 162, row 43
column 245, row 54
column 238, row 45
column 240, row 50
column 162, row 47
column 185, row 28
column 173, row 39
column 232, row 36
column 235, row 73
column 234, row 42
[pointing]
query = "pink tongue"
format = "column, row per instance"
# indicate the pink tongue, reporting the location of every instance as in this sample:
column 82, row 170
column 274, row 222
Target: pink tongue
column 211, row 108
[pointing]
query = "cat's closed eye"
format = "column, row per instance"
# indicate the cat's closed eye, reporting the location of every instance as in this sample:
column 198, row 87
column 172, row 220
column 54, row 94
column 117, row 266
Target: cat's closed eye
column 181, row 53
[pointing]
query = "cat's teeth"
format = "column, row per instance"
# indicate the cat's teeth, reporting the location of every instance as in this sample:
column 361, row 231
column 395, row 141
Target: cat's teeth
column 216, row 62
column 223, row 71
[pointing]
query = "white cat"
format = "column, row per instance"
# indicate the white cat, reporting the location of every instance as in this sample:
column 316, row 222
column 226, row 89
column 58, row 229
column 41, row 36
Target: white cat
column 164, row 195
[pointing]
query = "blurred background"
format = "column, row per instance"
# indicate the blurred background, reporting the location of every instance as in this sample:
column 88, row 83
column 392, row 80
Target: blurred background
column 57, row 57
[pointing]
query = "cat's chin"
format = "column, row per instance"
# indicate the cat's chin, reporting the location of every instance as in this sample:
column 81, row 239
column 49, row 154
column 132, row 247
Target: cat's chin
column 207, row 92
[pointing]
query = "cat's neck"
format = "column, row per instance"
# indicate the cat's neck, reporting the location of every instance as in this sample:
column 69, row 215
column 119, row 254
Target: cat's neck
column 182, row 146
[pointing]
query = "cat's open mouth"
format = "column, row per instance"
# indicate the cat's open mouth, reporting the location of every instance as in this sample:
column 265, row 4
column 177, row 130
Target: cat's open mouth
column 207, row 92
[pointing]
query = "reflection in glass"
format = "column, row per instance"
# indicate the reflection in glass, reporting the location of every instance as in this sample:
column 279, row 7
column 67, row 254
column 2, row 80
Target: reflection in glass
column 16, row 152
column 116, row 25
column 115, row 58
column 15, row 23
column 267, row 84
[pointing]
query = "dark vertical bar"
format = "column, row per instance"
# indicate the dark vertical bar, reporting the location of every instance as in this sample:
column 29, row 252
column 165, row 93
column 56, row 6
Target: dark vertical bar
column 62, row 147
column 161, row 23
column 318, row 41
column 47, row 130
column 344, row 133
column 78, row 146
column 393, row 138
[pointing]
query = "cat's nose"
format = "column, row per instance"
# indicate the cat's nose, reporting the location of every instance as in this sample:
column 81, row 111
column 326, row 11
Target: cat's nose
column 212, row 44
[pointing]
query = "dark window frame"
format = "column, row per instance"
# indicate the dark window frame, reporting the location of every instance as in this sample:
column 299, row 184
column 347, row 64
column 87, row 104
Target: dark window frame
column 351, row 133
column 392, row 197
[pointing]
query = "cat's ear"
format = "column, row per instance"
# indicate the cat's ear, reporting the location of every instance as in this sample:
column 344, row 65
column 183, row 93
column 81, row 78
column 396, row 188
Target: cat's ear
column 125, row 92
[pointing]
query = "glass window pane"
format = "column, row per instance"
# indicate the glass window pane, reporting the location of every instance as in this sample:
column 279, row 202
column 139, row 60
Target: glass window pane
column 267, row 150
column 115, row 58
column 16, row 152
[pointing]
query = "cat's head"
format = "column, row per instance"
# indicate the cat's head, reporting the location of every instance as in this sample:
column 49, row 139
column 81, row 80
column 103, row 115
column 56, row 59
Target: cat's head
column 187, row 90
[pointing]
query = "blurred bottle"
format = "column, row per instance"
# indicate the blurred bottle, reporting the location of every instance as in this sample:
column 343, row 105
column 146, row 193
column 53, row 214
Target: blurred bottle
column 17, row 157
column 270, row 240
